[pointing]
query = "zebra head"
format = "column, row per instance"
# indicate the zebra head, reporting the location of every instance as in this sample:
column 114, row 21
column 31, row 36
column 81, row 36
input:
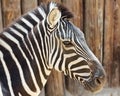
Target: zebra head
column 70, row 53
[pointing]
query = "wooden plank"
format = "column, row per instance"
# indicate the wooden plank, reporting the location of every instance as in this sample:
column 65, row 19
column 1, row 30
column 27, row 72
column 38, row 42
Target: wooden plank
column 1, row 25
column 76, row 7
column 108, row 39
column 11, row 10
column 54, row 86
column 28, row 5
column 46, row 1
column 93, row 26
column 116, row 54
column 112, row 42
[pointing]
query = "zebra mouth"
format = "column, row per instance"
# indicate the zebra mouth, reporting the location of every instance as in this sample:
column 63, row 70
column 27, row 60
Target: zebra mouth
column 92, row 87
column 87, row 86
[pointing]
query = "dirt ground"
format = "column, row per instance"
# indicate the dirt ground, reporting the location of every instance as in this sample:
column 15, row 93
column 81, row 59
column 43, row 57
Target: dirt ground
column 109, row 92
column 104, row 92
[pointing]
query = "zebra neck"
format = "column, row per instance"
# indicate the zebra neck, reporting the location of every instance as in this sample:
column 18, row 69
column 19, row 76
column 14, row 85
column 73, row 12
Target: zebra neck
column 24, row 42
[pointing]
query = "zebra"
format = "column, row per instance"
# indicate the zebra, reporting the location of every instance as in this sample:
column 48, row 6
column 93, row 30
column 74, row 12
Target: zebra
column 39, row 41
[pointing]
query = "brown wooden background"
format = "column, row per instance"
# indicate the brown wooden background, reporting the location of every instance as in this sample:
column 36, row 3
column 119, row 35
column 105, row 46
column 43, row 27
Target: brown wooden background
column 98, row 19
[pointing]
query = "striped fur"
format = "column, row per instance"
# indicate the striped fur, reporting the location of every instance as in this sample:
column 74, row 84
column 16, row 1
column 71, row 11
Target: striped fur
column 29, row 49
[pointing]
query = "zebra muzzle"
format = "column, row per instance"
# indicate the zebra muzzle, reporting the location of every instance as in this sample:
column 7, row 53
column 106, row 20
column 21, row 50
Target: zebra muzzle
column 98, row 77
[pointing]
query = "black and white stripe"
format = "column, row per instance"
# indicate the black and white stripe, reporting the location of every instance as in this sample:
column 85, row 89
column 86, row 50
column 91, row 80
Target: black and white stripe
column 28, row 52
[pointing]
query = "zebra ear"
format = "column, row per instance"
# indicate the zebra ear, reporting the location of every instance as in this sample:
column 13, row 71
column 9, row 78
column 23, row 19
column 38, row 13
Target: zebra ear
column 53, row 17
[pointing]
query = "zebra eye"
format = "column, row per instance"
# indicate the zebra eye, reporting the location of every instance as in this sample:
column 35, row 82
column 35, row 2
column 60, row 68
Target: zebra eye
column 67, row 43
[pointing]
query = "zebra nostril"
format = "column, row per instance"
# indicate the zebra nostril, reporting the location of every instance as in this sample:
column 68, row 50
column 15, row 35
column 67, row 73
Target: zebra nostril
column 98, row 81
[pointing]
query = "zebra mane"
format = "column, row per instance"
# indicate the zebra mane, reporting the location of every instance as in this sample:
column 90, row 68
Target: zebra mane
column 65, row 11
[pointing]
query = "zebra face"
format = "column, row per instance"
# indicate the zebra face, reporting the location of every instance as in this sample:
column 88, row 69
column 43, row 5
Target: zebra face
column 78, row 61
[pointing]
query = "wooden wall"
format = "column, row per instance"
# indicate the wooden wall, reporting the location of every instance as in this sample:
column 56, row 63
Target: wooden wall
column 98, row 19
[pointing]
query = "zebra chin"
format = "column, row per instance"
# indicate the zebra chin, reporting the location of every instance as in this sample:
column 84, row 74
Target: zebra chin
column 93, row 89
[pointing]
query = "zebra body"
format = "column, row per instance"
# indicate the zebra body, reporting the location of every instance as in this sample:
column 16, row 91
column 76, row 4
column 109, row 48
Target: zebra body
column 22, row 55
column 28, row 51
